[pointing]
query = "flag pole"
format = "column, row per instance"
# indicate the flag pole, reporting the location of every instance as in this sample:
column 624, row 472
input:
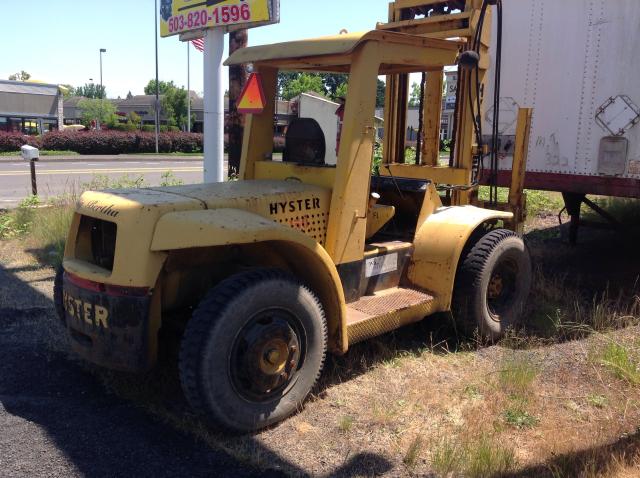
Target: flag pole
column 188, row 88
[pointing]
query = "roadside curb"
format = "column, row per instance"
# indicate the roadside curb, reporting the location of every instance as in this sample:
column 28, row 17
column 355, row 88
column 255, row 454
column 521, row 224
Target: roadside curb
column 105, row 158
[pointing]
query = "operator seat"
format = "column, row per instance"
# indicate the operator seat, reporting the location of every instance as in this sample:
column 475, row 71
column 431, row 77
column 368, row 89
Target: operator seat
column 304, row 143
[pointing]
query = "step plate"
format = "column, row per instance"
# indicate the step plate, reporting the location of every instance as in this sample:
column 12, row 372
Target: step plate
column 375, row 315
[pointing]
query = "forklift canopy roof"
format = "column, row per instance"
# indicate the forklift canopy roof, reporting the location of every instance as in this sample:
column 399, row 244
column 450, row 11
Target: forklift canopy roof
column 401, row 53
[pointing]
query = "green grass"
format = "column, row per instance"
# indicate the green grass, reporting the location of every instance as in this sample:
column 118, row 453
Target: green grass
column 597, row 401
column 196, row 154
column 50, row 231
column 516, row 416
column 447, row 456
column 485, row 458
column 624, row 210
column 476, row 458
column 43, row 152
column 345, row 423
column 169, row 179
column 413, row 453
column 620, row 361
column 516, row 376
column 102, row 181
column 539, row 203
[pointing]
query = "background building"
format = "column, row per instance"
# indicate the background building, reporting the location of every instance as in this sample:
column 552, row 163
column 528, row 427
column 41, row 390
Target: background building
column 30, row 108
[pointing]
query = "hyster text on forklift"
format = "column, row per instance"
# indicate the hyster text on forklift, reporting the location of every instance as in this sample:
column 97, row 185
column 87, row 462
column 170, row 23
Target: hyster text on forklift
column 260, row 278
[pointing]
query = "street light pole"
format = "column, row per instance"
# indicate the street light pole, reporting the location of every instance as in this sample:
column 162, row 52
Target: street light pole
column 157, row 82
column 102, row 95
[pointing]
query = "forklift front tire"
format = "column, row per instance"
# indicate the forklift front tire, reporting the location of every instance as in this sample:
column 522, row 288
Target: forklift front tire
column 492, row 285
column 253, row 350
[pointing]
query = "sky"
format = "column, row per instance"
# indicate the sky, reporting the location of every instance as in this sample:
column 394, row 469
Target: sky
column 58, row 41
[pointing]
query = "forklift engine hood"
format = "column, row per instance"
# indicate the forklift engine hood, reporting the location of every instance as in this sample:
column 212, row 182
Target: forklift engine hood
column 158, row 219
column 276, row 200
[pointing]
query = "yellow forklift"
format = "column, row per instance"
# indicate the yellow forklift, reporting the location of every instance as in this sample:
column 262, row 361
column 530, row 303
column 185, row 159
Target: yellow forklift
column 260, row 278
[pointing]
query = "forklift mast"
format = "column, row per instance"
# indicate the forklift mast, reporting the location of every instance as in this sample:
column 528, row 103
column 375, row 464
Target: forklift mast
column 468, row 21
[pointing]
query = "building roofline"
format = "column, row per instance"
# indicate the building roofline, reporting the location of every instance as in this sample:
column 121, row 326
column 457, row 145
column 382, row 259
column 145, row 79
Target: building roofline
column 30, row 83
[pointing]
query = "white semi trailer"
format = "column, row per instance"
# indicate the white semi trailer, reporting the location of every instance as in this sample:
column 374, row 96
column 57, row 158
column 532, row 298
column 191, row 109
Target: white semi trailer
column 577, row 64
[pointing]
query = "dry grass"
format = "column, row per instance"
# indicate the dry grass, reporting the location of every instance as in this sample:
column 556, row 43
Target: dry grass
column 557, row 399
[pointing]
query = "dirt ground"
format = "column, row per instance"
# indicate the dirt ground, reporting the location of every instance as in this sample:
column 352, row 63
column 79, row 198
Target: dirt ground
column 416, row 402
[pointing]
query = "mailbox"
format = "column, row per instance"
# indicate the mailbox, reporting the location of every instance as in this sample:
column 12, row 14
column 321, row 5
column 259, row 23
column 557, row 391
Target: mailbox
column 29, row 153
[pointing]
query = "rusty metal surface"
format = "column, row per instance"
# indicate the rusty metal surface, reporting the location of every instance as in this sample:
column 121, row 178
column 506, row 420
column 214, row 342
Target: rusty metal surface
column 375, row 315
column 399, row 299
column 574, row 183
column 107, row 330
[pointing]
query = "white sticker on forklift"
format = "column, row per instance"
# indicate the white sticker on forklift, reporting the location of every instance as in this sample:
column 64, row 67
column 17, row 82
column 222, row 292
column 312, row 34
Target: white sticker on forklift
column 381, row 265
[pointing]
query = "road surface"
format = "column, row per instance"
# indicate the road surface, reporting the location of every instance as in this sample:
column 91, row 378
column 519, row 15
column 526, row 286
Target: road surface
column 64, row 175
column 57, row 420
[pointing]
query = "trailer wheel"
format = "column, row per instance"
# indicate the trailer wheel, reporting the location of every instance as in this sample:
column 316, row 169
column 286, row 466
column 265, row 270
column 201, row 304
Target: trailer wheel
column 253, row 350
column 57, row 293
column 492, row 284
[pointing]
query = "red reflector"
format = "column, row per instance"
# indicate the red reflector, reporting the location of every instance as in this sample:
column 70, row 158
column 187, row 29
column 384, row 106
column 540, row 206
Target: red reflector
column 112, row 290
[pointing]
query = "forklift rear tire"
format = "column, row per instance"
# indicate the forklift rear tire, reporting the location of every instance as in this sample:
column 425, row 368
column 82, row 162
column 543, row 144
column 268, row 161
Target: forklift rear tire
column 253, row 350
column 492, row 284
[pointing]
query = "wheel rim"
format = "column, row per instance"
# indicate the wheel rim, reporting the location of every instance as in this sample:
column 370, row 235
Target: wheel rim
column 266, row 356
column 501, row 289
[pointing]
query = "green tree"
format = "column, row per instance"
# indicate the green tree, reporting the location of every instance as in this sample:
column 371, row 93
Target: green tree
column 135, row 119
column 414, row 99
column 91, row 91
column 22, row 76
column 173, row 102
column 174, row 105
column 334, row 82
column 164, row 86
column 99, row 110
column 341, row 91
column 284, row 80
column 67, row 90
column 380, row 93
column 304, row 83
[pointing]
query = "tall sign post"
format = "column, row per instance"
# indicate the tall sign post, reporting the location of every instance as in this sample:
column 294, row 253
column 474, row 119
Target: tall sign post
column 211, row 19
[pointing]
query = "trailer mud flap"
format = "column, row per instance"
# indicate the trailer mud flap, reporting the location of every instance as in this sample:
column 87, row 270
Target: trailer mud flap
column 108, row 329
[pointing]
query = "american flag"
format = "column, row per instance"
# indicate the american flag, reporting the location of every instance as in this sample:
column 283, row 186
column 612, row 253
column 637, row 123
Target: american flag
column 199, row 44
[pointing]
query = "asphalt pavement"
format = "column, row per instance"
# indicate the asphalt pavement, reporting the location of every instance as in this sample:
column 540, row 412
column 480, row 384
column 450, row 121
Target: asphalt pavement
column 64, row 174
column 58, row 420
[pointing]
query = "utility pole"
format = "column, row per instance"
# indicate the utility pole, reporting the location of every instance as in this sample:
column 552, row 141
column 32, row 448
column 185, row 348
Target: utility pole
column 237, row 79
column 101, row 95
column 157, row 82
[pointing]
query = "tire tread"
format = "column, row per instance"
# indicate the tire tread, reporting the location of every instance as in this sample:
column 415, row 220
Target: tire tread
column 469, row 274
column 208, row 311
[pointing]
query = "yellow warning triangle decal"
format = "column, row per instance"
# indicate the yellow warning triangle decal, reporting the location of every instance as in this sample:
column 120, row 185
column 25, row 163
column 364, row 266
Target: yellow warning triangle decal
column 252, row 98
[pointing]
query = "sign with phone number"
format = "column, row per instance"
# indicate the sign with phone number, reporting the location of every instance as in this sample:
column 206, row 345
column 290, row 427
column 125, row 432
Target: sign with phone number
column 179, row 16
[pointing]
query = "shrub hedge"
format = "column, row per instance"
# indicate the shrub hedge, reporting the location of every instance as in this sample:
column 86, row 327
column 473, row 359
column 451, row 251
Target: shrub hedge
column 104, row 142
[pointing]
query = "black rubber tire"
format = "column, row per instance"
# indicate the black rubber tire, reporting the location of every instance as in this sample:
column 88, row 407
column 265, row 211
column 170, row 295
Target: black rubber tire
column 57, row 293
column 471, row 305
column 208, row 345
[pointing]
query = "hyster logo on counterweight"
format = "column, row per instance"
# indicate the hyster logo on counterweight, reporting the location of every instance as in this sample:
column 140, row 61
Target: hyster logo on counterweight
column 294, row 206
